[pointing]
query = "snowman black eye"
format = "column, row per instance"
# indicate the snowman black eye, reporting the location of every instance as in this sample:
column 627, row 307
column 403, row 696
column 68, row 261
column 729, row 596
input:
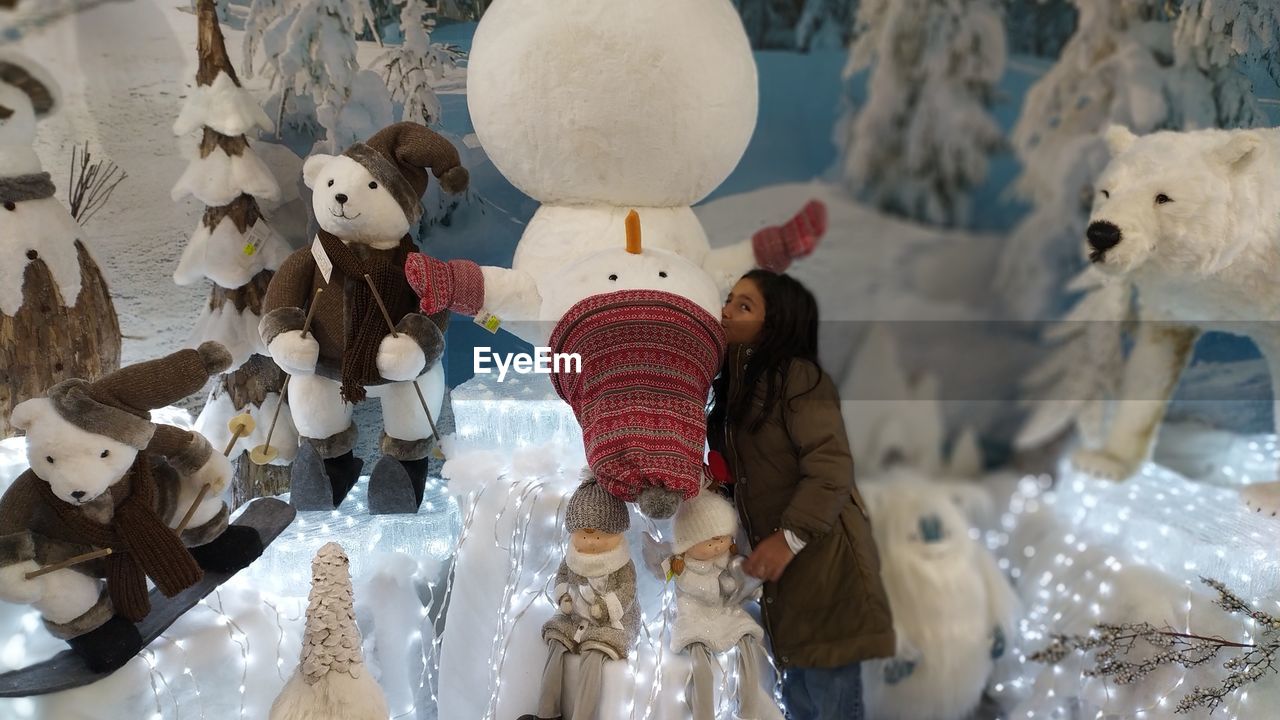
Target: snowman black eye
column 613, row 277
column 49, row 459
column 105, row 453
column 1106, row 194
column 1162, row 199
column 11, row 207
column 330, row 183
column 373, row 186
column 662, row 273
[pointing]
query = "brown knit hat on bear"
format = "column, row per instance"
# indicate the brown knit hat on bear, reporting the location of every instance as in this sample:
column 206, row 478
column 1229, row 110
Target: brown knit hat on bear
column 117, row 406
column 399, row 155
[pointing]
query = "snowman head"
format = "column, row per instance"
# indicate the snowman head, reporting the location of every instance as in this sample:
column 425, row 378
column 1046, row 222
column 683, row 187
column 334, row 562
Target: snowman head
column 613, row 101
column 26, row 95
column 630, row 267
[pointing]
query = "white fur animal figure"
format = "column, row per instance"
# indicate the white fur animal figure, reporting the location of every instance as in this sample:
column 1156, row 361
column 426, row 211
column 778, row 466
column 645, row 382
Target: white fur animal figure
column 1192, row 220
column 658, row 122
column 364, row 201
column 953, row 610
column 104, row 477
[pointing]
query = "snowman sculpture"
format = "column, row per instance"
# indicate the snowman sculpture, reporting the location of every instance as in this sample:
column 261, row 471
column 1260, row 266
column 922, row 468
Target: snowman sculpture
column 598, row 107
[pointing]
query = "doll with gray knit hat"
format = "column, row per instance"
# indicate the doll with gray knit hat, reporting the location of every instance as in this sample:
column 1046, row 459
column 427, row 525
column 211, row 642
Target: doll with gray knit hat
column 595, row 596
column 710, row 618
column 104, row 477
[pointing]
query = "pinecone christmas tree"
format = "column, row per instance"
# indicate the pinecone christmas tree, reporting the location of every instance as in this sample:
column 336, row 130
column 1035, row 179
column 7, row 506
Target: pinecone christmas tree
column 331, row 680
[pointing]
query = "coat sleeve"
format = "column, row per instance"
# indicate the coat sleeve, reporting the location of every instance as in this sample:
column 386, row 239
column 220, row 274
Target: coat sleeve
column 17, row 542
column 185, row 450
column 287, row 295
column 811, row 414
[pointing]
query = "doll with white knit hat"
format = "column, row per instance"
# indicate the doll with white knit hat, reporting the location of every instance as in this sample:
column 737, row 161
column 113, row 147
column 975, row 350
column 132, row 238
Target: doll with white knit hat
column 709, row 613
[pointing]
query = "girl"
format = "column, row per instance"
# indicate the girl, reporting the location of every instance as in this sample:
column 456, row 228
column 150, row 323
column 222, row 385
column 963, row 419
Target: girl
column 775, row 416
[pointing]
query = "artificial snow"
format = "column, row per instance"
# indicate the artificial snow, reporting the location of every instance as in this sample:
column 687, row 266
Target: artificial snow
column 228, row 257
column 223, row 107
column 219, row 178
column 236, row 330
column 45, row 228
column 215, row 419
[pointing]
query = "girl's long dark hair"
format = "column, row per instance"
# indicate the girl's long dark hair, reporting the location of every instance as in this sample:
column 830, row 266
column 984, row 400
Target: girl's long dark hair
column 790, row 333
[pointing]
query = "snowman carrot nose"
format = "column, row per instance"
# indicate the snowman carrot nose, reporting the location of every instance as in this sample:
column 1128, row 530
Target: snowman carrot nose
column 633, row 232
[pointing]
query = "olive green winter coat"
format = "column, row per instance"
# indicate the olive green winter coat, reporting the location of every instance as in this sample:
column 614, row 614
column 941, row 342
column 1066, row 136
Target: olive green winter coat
column 795, row 472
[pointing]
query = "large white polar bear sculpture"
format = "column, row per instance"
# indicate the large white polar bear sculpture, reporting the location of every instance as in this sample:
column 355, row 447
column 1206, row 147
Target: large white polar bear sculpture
column 1192, row 220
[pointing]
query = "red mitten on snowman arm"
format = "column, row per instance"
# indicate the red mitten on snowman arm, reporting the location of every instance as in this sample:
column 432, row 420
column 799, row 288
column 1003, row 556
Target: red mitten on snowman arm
column 456, row 285
column 776, row 246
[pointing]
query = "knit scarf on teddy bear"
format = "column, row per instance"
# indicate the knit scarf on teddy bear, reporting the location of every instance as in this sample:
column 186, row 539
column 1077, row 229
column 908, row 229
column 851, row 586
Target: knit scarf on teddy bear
column 366, row 326
column 142, row 545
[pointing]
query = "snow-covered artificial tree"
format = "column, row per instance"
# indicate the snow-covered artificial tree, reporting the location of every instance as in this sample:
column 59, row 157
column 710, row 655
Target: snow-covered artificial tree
column 1071, row 387
column 331, row 680
column 234, row 248
column 308, row 52
column 1039, row 27
column 923, row 139
column 57, row 320
column 1127, row 63
column 413, row 68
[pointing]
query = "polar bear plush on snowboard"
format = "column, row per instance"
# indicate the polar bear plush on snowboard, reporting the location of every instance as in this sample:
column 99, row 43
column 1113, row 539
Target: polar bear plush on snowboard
column 1192, row 220
column 103, row 476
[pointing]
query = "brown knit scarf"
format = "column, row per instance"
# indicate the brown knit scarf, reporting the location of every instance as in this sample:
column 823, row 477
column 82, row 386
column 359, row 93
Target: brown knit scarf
column 142, row 545
column 365, row 325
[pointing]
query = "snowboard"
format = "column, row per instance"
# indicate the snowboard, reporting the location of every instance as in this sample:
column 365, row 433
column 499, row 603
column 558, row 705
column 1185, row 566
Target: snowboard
column 66, row 670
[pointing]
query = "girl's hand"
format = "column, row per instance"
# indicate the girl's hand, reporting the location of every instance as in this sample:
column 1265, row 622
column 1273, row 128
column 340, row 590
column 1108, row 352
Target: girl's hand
column 770, row 558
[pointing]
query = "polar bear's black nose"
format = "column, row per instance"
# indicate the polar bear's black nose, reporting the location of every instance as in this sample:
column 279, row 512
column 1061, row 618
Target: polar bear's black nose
column 340, row 197
column 1103, row 236
column 78, row 494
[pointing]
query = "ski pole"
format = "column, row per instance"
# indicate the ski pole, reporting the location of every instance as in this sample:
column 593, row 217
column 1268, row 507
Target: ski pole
column 439, row 451
column 264, row 453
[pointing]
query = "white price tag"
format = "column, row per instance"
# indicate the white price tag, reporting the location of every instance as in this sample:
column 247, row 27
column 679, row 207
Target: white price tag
column 259, row 233
column 322, row 259
column 488, row 321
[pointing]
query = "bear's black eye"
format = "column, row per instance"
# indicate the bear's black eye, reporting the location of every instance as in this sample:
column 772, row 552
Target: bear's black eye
column 105, row 453
column 1162, row 199
column 662, row 273
column 373, row 186
column 613, row 277
column 1106, row 194
column 11, row 207
column 49, row 459
column 330, row 183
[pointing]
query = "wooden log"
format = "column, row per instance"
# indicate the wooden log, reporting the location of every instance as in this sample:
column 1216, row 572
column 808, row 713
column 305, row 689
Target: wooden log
column 47, row 342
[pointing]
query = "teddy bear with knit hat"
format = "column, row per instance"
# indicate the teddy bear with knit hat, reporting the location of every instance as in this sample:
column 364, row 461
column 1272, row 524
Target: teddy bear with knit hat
column 103, row 476
column 597, row 616
column 710, row 618
column 365, row 201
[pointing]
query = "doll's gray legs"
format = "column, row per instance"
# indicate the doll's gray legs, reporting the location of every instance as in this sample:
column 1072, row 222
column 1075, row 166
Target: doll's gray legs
column 755, row 702
column 702, row 690
column 552, row 680
column 590, row 678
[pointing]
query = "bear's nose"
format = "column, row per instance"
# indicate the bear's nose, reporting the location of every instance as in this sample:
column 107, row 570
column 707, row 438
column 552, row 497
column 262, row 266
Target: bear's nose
column 78, row 494
column 340, row 197
column 1103, row 235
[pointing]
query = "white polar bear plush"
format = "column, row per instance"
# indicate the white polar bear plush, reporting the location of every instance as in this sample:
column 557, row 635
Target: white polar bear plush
column 953, row 611
column 658, row 122
column 103, row 476
column 1192, row 220
column 364, row 201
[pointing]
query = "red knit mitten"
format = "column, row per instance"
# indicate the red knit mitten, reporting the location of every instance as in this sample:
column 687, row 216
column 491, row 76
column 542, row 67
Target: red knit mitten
column 456, row 285
column 776, row 246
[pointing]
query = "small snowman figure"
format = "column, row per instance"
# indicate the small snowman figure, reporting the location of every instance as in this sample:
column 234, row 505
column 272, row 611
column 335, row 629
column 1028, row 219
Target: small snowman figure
column 710, row 618
column 595, row 596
